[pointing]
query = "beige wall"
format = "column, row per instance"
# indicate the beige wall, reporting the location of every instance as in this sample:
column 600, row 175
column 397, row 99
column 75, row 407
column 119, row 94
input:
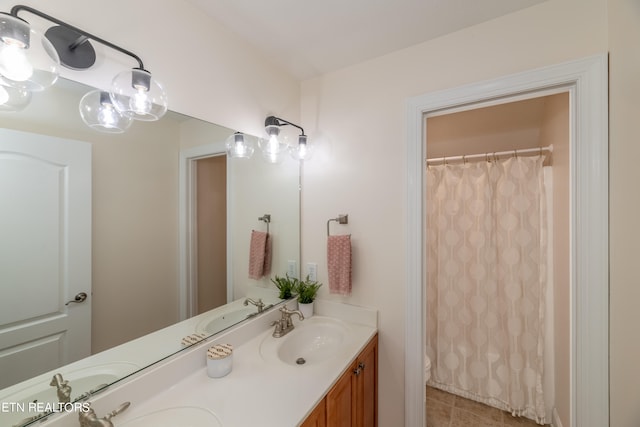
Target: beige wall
column 503, row 127
column 624, row 173
column 359, row 114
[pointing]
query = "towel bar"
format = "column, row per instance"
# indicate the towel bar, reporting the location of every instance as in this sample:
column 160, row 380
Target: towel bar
column 341, row 219
column 267, row 219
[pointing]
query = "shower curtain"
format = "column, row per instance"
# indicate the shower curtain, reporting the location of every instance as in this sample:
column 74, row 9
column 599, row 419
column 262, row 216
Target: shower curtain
column 486, row 275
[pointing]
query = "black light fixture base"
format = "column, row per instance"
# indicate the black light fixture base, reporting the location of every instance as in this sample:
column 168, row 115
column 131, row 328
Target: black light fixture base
column 74, row 49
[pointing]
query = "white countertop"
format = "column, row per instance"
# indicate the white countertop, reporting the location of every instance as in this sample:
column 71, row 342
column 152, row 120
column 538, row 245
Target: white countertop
column 259, row 391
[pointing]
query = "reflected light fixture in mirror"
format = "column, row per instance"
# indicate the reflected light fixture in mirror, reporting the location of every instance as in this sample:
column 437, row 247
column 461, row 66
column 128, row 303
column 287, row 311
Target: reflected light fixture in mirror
column 273, row 147
column 134, row 93
column 137, row 95
column 98, row 112
column 239, row 146
column 13, row 98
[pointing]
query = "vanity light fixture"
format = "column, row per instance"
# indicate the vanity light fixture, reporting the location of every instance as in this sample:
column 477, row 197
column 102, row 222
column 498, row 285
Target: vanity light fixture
column 273, row 146
column 239, row 145
column 34, row 65
column 28, row 62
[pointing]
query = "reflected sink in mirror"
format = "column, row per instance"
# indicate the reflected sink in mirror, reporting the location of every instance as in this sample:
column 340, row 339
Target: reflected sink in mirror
column 183, row 416
column 89, row 379
column 212, row 325
column 314, row 340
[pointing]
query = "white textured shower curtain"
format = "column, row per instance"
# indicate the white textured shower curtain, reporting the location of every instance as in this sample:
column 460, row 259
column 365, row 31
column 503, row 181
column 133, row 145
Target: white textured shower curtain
column 486, row 264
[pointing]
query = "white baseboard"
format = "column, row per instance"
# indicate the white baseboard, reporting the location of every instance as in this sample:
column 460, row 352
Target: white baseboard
column 555, row 422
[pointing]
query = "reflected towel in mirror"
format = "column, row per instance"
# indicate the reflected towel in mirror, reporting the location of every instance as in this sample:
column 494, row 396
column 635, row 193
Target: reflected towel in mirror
column 339, row 264
column 259, row 254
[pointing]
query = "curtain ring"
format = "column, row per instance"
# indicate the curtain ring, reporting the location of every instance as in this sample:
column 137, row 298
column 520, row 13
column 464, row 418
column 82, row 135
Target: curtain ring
column 486, row 157
column 540, row 151
column 464, row 159
column 515, row 153
column 444, row 160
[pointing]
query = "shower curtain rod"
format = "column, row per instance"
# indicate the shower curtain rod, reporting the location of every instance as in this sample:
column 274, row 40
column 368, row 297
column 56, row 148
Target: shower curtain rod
column 489, row 156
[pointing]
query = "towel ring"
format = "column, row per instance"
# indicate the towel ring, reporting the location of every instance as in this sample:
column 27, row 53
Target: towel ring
column 267, row 219
column 341, row 219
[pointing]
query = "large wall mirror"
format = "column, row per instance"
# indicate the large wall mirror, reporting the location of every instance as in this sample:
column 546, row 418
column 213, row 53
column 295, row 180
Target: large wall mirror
column 120, row 206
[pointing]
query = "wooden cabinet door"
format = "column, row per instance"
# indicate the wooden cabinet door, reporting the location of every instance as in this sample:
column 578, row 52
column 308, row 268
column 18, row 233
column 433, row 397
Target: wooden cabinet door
column 353, row 400
column 367, row 386
column 340, row 401
column 318, row 417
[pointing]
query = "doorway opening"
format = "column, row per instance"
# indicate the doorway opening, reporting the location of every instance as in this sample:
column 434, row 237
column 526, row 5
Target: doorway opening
column 585, row 81
column 469, row 143
column 211, row 232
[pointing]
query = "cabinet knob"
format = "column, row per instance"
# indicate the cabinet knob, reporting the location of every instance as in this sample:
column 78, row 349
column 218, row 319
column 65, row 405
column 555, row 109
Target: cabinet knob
column 361, row 366
column 357, row 371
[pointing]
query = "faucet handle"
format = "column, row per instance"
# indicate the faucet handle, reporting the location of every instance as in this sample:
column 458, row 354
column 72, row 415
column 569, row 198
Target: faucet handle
column 120, row 409
column 90, row 419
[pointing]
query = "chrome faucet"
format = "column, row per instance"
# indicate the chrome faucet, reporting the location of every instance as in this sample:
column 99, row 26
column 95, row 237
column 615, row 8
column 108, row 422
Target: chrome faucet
column 90, row 419
column 63, row 388
column 285, row 324
column 258, row 303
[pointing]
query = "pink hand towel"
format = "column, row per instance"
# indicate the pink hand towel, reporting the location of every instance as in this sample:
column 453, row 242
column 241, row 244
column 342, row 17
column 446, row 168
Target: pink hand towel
column 267, row 255
column 258, row 254
column 339, row 264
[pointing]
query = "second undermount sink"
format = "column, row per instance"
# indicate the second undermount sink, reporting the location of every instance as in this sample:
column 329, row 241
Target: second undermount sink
column 183, row 416
column 314, row 340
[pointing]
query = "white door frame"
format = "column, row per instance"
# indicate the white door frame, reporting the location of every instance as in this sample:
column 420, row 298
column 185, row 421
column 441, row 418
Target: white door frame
column 187, row 226
column 586, row 81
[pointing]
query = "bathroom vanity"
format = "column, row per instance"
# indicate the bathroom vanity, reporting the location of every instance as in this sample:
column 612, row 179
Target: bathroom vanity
column 323, row 372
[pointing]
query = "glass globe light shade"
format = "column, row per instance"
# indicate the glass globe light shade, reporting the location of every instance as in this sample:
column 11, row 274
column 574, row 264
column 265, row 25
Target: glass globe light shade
column 302, row 151
column 274, row 144
column 99, row 113
column 13, row 98
column 239, row 145
column 273, row 158
column 137, row 95
column 28, row 60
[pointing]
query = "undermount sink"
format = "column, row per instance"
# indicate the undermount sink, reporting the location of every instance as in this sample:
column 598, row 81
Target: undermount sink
column 314, row 340
column 183, row 416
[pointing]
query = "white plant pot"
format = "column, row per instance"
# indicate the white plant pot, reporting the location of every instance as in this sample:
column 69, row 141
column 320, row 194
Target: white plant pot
column 306, row 309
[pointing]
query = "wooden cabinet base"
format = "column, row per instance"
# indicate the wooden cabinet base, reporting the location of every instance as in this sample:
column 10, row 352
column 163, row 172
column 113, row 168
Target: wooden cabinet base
column 353, row 400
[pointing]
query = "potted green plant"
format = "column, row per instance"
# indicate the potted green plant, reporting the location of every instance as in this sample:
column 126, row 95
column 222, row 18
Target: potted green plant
column 286, row 285
column 307, row 291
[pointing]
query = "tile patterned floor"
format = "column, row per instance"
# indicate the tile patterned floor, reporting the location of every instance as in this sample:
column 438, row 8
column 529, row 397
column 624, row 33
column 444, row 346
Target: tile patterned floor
column 448, row 410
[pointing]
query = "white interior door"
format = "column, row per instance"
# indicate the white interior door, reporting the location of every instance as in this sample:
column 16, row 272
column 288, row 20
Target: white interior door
column 45, row 253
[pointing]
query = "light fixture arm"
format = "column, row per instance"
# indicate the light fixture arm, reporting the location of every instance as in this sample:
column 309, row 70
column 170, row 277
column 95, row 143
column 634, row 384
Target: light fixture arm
column 273, row 120
column 84, row 36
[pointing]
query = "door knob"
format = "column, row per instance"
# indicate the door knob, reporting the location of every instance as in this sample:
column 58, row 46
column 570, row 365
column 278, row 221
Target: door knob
column 78, row 298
